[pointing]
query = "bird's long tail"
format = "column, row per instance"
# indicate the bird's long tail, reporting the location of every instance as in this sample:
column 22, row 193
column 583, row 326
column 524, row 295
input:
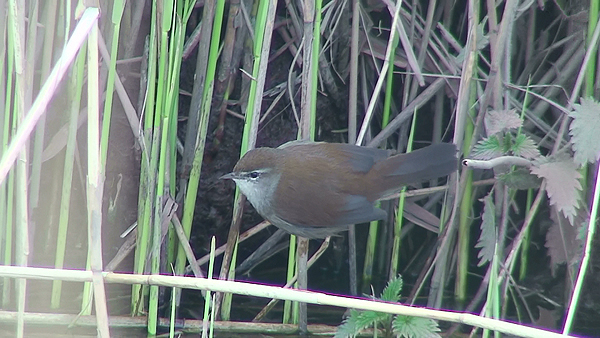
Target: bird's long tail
column 420, row 165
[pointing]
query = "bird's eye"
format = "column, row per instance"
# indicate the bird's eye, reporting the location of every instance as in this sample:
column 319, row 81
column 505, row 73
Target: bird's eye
column 254, row 174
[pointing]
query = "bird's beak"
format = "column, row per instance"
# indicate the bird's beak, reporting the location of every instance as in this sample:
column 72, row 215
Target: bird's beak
column 229, row 176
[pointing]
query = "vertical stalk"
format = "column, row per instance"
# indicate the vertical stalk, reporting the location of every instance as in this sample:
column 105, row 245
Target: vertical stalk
column 590, row 76
column 9, row 129
column 400, row 214
column 16, row 30
column 117, row 13
column 95, row 185
column 75, row 89
column 147, row 176
column 158, row 158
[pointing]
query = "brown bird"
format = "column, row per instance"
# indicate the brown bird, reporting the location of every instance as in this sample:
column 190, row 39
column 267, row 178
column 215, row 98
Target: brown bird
column 315, row 190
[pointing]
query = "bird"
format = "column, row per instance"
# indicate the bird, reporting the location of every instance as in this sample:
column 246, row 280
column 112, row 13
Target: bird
column 318, row 189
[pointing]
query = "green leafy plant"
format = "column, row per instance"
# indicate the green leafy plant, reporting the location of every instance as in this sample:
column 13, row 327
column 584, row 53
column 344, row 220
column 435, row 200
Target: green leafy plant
column 502, row 140
column 392, row 325
column 560, row 171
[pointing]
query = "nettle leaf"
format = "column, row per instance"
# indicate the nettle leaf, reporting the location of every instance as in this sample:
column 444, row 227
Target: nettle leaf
column 562, row 184
column 520, row 179
column 391, row 293
column 415, row 327
column 359, row 320
column 584, row 131
column 488, row 148
column 524, row 146
column 487, row 239
column 350, row 327
column 497, row 121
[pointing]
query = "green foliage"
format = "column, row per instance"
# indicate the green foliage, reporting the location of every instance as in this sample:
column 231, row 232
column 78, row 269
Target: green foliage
column 488, row 148
column 502, row 140
column 391, row 293
column 561, row 174
column 402, row 326
column 524, row 146
column 359, row 320
column 506, row 144
column 415, row 327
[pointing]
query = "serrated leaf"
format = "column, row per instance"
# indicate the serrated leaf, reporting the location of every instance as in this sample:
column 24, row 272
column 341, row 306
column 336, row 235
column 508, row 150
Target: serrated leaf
column 524, row 146
column 487, row 239
column 584, row 131
column 497, row 121
column 488, row 148
column 350, row 327
column 391, row 293
column 359, row 320
column 520, row 179
column 415, row 327
column 562, row 185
